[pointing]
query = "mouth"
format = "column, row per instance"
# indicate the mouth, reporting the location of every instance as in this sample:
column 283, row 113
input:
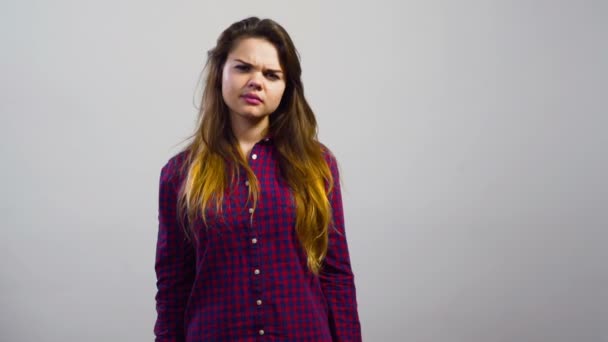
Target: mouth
column 252, row 97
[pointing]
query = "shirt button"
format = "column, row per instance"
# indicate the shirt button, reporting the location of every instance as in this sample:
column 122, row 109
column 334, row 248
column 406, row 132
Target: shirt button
column 259, row 302
column 261, row 332
column 256, row 271
column 251, row 210
column 247, row 183
column 254, row 156
column 254, row 241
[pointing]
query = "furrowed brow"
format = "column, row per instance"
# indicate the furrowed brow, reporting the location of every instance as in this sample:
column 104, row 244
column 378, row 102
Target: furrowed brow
column 249, row 64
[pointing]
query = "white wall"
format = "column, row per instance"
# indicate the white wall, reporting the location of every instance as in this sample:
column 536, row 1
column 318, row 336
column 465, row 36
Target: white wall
column 471, row 135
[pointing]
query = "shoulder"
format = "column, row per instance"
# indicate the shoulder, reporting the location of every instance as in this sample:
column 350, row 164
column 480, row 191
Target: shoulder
column 330, row 158
column 174, row 170
column 328, row 155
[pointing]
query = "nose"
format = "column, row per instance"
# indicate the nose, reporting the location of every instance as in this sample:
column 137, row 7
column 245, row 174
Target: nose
column 254, row 83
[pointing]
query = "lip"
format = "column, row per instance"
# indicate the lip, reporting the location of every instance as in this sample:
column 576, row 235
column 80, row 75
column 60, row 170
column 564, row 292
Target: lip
column 252, row 96
column 252, row 101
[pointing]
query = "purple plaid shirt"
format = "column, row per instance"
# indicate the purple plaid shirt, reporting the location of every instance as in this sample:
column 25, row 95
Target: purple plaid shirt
column 246, row 279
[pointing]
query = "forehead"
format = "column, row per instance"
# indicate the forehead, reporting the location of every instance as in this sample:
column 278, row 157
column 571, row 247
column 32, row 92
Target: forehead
column 256, row 51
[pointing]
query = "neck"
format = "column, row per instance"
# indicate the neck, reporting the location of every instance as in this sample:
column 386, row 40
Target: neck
column 249, row 131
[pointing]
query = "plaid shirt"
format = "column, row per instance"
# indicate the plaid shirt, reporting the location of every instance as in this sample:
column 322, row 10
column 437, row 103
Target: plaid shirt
column 246, row 278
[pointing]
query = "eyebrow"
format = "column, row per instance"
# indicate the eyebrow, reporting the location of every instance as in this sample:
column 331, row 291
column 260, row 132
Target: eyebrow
column 249, row 64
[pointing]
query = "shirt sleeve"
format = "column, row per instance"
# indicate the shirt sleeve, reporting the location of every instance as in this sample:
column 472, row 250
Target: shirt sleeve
column 336, row 276
column 174, row 264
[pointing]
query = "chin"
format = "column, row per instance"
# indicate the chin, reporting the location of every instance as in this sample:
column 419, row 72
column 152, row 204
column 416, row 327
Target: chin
column 253, row 115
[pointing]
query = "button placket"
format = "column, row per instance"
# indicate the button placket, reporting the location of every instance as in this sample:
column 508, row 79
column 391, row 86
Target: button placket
column 255, row 250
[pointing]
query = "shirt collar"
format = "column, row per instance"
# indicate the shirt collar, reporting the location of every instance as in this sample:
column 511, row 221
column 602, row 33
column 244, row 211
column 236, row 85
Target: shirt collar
column 267, row 139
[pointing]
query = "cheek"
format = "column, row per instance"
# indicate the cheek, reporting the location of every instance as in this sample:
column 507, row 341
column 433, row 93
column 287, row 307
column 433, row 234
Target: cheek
column 227, row 84
column 227, row 90
column 278, row 94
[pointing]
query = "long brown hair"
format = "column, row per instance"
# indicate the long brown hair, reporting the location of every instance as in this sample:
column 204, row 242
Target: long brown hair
column 213, row 157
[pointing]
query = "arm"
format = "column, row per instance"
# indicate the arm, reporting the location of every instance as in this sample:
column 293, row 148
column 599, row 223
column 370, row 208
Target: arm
column 336, row 276
column 174, row 264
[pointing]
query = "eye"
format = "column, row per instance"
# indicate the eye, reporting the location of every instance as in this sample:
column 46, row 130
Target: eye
column 272, row 76
column 242, row 67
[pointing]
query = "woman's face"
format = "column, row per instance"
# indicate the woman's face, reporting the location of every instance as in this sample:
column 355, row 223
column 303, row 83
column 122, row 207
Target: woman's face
column 252, row 79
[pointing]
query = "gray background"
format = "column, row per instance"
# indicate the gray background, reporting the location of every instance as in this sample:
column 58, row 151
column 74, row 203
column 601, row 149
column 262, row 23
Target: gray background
column 471, row 135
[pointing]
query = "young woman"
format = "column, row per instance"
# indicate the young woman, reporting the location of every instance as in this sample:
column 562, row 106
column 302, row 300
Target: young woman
column 251, row 241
